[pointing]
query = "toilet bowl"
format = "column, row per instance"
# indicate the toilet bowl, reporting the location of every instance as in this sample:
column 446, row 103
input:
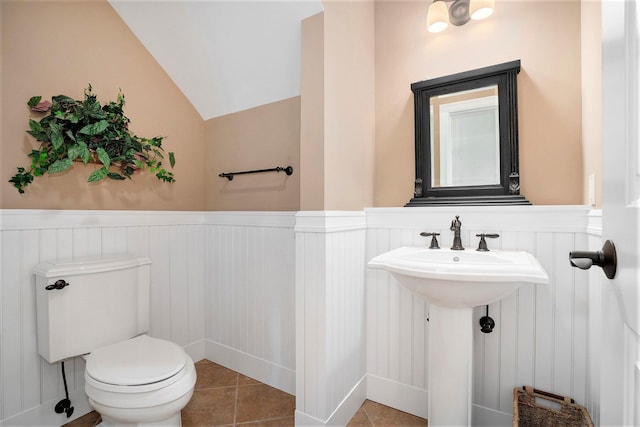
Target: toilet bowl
column 140, row 381
column 98, row 308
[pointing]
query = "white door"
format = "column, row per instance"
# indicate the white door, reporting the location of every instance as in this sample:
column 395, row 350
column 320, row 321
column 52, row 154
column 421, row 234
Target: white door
column 620, row 379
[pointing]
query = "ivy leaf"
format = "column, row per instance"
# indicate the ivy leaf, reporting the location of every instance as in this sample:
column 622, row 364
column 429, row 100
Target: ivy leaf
column 33, row 101
column 35, row 126
column 56, row 135
column 115, row 176
column 85, row 155
column 74, row 151
column 95, row 128
column 172, row 159
column 62, row 99
column 103, row 157
column 165, row 176
column 99, row 174
column 21, row 179
column 60, row 165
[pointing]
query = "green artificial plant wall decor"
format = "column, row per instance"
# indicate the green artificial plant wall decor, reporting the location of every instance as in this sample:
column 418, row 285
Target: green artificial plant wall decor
column 89, row 132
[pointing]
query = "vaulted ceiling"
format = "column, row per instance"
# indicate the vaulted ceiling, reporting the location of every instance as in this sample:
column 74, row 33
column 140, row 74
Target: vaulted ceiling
column 225, row 55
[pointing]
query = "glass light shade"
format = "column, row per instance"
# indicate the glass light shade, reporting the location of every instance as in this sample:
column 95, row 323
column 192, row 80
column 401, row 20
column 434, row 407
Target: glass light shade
column 437, row 16
column 480, row 9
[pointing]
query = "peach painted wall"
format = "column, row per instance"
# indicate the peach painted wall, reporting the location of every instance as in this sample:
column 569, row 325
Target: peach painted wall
column 544, row 35
column 592, row 97
column 349, row 109
column 312, row 170
column 59, row 47
column 338, row 107
column 259, row 138
column 559, row 130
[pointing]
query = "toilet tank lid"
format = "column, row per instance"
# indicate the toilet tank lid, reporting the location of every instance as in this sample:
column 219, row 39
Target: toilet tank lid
column 87, row 265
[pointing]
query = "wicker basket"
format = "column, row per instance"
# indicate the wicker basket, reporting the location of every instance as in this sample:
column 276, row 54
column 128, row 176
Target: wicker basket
column 527, row 412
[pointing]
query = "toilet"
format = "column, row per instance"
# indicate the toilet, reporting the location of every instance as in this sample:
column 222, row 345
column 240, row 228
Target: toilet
column 98, row 308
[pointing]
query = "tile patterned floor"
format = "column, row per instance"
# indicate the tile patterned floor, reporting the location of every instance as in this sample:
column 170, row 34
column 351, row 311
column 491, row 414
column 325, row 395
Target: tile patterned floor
column 373, row 414
column 223, row 397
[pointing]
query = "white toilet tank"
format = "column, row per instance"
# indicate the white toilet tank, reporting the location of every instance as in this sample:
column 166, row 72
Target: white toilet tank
column 106, row 301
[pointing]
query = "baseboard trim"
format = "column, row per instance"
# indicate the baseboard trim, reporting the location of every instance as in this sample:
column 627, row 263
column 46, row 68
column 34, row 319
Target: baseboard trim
column 349, row 405
column 44, row 415
column 481, row 416
column 415, row 401
column 302, row 419
column 397, row 395
column 343, row 413
column 262, row 370
column 196, row 350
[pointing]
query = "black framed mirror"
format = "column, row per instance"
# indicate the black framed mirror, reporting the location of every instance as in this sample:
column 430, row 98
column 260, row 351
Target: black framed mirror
column 466, row 138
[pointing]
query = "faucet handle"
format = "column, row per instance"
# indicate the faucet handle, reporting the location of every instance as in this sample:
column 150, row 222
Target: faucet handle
column 434, row 240
column 482, row 245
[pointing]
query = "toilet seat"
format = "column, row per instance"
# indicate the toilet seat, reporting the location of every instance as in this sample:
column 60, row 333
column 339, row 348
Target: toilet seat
column 165, row 373
column 140, row 364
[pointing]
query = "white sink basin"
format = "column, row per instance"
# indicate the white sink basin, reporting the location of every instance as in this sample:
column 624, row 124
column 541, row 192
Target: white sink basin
column 459, row 279
column 453, row 282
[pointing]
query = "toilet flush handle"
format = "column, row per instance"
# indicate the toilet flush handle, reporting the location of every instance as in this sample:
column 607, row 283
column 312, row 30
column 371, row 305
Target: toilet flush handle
column 60, row 284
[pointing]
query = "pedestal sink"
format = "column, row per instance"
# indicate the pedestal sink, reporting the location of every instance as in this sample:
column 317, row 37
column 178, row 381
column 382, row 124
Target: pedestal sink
column 453, row 282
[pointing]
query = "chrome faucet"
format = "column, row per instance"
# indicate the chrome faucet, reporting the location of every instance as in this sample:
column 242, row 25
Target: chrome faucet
column 455, row 227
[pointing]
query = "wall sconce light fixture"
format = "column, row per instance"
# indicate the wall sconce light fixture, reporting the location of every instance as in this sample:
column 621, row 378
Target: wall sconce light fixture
column 459, row 12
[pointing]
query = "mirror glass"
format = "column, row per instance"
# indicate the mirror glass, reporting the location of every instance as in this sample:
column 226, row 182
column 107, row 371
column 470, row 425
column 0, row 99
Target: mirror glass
column 466, row 138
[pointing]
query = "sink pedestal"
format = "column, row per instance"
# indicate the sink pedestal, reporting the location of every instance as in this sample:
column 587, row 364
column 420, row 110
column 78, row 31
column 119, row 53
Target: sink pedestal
column 450, row 366
column 454, row 281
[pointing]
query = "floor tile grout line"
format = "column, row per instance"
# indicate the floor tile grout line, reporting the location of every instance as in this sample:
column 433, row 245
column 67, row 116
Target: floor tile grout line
column 214, row 388
column 249, row 423
column 368, row 417
column 235, row 406
column 257, row 422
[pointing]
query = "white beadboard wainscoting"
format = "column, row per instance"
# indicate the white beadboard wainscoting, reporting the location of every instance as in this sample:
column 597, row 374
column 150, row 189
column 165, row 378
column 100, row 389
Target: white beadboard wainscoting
column 286, row 298
column 222, row 287
column 541, row 333
column 175, row 241
column 250, row 295
column 330, row 317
